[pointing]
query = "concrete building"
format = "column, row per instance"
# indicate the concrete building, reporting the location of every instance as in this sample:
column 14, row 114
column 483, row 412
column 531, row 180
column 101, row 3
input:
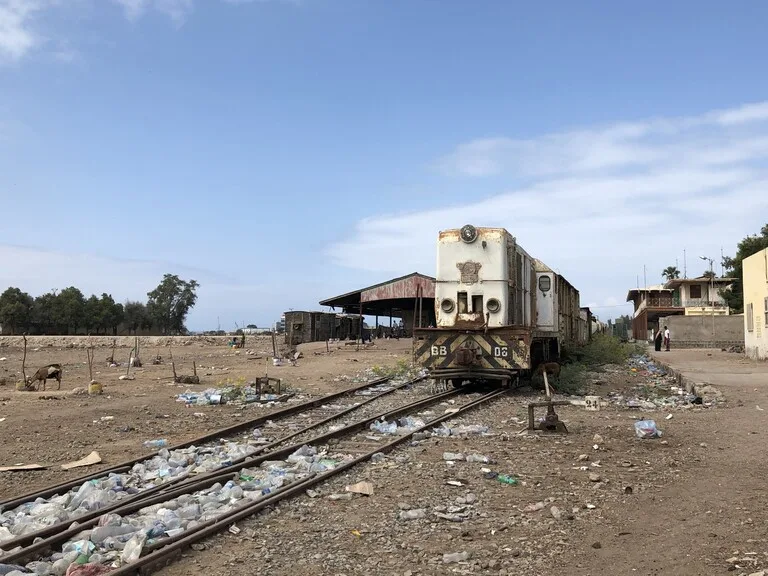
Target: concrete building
column 755, row 281
column 699, row 296
column 681, row 296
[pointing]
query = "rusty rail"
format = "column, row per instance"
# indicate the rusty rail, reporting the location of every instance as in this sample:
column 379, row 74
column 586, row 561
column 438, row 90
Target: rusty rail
column 205, row 480
column 184, row 480
column 166, row 549
column 125, row 466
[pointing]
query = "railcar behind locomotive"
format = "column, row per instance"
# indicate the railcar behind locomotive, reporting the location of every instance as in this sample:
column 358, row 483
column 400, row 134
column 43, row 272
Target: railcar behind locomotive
column 499, row 311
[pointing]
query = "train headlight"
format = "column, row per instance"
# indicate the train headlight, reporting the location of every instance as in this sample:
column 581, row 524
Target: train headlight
column 468, row 233
column 493, row 305
column 447, row 305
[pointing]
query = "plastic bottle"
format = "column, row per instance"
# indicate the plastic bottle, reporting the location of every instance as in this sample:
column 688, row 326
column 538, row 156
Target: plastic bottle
column 156, row 443
column 505, row 479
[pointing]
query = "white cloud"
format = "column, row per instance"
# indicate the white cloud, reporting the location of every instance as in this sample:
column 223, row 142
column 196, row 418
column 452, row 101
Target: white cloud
column 598, row 203
column 176, row 10
column 17, row 36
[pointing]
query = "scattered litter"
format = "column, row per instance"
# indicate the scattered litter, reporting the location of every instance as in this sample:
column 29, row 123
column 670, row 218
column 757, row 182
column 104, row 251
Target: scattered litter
column 646, row 429
column 91, row 459
column 361, row 488
column 22, row 467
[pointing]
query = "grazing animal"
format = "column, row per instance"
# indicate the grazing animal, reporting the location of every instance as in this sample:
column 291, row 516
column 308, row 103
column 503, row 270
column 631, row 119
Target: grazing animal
column 50, row 372
column 552, row 368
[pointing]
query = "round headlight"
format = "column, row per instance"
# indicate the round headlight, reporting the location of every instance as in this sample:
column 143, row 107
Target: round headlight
column 493, row 305
column 447, row 305
column 468, row 233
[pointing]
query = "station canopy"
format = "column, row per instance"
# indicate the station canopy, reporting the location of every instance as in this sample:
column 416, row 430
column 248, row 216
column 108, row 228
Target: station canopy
column 391, row 298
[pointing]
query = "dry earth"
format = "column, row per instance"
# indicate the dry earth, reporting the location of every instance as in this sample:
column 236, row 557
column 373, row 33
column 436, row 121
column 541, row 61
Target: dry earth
column 695, row 507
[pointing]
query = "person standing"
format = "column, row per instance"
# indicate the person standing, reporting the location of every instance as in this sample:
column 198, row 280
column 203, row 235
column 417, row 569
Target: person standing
column 657, row 341
column 666, row 338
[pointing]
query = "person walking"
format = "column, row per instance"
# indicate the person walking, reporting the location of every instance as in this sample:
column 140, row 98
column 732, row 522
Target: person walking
column 666, row 338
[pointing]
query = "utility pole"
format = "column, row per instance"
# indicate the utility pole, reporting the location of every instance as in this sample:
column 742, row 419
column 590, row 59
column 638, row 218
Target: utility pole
column 645, row 280
column 711, row 292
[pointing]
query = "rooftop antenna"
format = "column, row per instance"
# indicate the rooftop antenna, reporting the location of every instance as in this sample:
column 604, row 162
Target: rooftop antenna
column 685, row 265
column 722, row 265
column 645, row 280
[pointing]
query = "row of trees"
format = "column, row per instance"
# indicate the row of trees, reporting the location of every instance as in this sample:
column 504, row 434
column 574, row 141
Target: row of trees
column 734, row 294
column 70, row 312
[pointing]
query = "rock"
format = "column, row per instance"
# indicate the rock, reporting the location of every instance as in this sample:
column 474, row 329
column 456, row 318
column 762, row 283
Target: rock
column 597, row 545
column 583, row 457
column 471, row 498
column 594, row 477
column 556, row 513
column 597, row 439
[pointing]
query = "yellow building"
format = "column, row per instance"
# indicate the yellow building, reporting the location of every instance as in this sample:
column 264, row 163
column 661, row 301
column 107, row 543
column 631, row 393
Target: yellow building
column 756, row 305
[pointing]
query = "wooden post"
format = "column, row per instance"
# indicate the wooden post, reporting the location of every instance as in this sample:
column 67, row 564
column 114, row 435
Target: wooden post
column 24, row 361
column 173, row 367
column 194, row 368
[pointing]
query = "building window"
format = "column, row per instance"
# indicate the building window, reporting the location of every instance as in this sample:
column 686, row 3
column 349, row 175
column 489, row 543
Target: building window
column 750, row 318
column 695, row 291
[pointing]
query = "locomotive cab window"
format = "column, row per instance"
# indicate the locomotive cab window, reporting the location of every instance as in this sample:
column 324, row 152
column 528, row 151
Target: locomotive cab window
column 462, row 300
column 477, row 303
column 545, row 283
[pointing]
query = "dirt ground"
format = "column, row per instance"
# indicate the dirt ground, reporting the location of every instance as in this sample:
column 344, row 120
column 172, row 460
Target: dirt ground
column 688, row 503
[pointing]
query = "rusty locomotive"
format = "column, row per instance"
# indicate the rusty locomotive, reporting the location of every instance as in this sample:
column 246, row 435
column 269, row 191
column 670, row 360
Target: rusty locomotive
column 499, row 312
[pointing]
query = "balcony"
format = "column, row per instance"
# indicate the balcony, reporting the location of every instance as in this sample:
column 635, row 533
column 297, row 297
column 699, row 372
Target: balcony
column 699, row 303
column 657, row 302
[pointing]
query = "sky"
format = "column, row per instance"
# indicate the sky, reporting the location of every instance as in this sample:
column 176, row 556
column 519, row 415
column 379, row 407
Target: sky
column 281, row 152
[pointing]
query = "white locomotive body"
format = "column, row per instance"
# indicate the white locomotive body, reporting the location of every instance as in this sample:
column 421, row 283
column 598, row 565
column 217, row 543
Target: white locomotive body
column 499, row 311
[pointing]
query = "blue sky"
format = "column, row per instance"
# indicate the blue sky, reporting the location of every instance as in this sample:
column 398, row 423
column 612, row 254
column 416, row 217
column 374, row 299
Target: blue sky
column 284, row 151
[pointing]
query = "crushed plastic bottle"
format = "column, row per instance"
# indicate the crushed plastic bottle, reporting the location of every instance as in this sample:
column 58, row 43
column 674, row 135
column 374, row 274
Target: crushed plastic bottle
column 506, row 479
column 161, row 443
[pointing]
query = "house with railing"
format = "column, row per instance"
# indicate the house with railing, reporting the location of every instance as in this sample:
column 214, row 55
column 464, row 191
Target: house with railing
column 680, row 296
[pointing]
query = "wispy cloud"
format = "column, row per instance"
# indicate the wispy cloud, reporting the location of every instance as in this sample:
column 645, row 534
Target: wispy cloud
column 176, row 10
column 17, row 36
column 598, row 203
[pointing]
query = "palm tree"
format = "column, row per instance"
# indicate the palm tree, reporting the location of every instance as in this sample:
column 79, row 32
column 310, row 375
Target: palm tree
column 671, row 272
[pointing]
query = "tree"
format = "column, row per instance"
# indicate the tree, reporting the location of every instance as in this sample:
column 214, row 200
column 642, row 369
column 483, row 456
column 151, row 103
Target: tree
column 252, row 326
column 70, row 309
column 135, row 316
column 111, row 314
column 15, row 309
column 169, row 303
column 44, row 313
column 734, row 294
column 709, row 274
column 92, row 313
column 671, row 272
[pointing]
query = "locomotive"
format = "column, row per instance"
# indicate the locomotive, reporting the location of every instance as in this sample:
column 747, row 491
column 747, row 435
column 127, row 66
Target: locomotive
column 499, row 312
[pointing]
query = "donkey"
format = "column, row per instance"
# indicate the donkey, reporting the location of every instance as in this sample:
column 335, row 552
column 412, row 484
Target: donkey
column 50, row 372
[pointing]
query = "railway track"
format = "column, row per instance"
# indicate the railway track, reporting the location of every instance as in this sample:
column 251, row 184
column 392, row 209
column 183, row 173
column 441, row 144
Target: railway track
column 158, row 548
column 309, row 410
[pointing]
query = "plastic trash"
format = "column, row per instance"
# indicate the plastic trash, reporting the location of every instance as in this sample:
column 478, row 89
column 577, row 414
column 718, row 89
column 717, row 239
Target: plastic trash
column 478, row 458
column 453, row 456
column 161, row 443
column 413, row 514
column 506, row 479
column 646, row 429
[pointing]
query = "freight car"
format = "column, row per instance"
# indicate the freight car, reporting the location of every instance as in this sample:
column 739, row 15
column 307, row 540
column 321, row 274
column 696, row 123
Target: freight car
column 499, row 312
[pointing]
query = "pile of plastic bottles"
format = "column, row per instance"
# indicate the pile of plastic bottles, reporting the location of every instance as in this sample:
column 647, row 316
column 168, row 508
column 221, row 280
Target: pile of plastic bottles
column 401, row 426
column 95, row 494
column 118, row 540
